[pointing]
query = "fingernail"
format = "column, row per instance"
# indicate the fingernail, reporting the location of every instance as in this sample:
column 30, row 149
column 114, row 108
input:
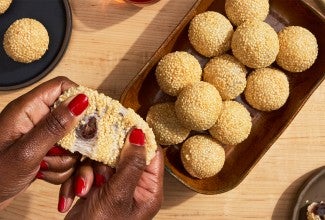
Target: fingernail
column 99, row 180
column 80, row 185
column 57, row 151
column 44, row 165
column 78, row 104
column 40, row 175
column 137, row 137
column 61, row 204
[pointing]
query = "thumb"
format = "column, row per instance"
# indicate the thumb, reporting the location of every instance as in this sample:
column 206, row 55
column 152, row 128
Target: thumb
column 33, row 146
column 130, row 167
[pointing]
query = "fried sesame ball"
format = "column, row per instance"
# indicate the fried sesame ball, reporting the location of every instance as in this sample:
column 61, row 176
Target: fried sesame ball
column 233, row 125
column 26, row 40
column 198, row 106
column 267, row 89
column 202, row 156
column 177, row 70
column 4, row 5
column 239, row 11
column 255, row 44
column 210, row 33
column 227, row 74
column 165, row 125
column 298, row 49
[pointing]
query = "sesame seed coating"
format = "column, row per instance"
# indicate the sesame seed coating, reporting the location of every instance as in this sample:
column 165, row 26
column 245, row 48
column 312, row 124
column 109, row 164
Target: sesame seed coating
column 233, row 125
column 113, row 124
column 210, row 33
column 202, row 156
column 227, row 74
column 255, row 44
column 4, row 5
column 165, row 125
column 239, row 11
column 267, row 89
column 177, row 70
column 26, row 40
column 198, row 106
column 298, row 49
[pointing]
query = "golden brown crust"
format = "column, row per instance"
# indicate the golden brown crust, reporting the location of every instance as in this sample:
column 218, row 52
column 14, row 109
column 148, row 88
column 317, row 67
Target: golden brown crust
column 4, row 5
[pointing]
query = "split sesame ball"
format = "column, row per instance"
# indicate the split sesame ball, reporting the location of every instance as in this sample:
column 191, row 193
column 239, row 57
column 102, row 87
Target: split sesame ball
column 239, row 11
column 198, row 106
column 267, row 89
column 210, row 33
column 202, row 156
column 298, row 49
column 233, row 125
column 4, row 5
column 255, row 44
column 177, row 70
column 165, row 125
column 227, row 74
column 26, row 40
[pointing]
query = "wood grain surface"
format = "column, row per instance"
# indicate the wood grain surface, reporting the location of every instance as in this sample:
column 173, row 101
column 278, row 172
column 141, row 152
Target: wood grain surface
column 111, row 41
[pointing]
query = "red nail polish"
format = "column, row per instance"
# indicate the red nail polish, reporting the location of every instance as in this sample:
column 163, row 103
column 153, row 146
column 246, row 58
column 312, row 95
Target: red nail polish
column 78, row 104
column 99, row 180
column 61, row 204
column 57, row 151
column 137, row 137
column 40, row 175
column 80, row 185
column 44, row 165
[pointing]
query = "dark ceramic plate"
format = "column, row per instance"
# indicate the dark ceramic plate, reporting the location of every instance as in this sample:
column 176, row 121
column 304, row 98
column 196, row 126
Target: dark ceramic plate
column 144, row 91
column 55, row 15
column 313, row 190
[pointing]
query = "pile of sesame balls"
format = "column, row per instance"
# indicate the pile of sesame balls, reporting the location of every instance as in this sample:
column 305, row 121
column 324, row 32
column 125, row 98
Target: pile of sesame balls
column 205, row 96
column 26, row 40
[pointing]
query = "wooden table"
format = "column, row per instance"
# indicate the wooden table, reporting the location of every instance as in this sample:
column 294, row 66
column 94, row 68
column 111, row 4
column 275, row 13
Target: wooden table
column 111, row 41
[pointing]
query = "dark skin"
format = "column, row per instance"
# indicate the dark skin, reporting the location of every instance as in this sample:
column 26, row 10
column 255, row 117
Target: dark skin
column 29, row 129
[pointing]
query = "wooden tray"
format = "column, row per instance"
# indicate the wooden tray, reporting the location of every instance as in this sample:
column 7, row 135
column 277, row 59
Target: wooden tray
column 55, row 15
column 144, row 91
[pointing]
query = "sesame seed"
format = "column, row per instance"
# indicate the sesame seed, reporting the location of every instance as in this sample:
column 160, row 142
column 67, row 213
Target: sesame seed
column 4, row 5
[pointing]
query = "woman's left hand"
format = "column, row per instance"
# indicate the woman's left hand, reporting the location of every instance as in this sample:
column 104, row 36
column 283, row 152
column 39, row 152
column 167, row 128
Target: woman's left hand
column 28, row 132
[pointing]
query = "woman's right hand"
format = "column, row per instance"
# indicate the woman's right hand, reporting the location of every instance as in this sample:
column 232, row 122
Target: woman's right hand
column 132, row 191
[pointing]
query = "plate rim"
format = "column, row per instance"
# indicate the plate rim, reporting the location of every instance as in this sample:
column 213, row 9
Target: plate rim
column 58, row 57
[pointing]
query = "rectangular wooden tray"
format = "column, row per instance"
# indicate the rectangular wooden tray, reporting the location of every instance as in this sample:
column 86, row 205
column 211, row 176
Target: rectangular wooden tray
column 144, row 91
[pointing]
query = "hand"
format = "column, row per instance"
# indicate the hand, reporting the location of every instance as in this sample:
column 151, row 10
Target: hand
column 133, row 191
column 29, row 129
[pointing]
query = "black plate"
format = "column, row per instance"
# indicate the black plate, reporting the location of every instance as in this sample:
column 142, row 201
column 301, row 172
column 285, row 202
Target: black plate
column 55, row 15
column 313, row 190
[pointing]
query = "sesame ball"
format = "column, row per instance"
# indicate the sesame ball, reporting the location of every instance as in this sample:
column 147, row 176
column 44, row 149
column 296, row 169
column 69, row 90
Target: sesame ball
column 198, row 106
column 298, row 49
column 255, row 44
column 210, row 33
column 239, row 11
column 227, row 74
column 202, row 156
column 4, row 5
column 165, row 125
column 233, row 125
column 26, row 40
column 177, row 70
column 267, row 89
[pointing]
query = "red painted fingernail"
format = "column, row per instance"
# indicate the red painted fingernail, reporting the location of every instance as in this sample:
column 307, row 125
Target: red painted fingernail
column 137, row 137
column 80, row 185
column 78, row 104
column 61, row 204
column 99, row 180
column 40, row 175
column 57, row 151
column 44, row 165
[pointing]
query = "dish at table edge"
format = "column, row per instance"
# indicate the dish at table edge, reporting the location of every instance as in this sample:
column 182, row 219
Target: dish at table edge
column 312, row 190
column 143, row 91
